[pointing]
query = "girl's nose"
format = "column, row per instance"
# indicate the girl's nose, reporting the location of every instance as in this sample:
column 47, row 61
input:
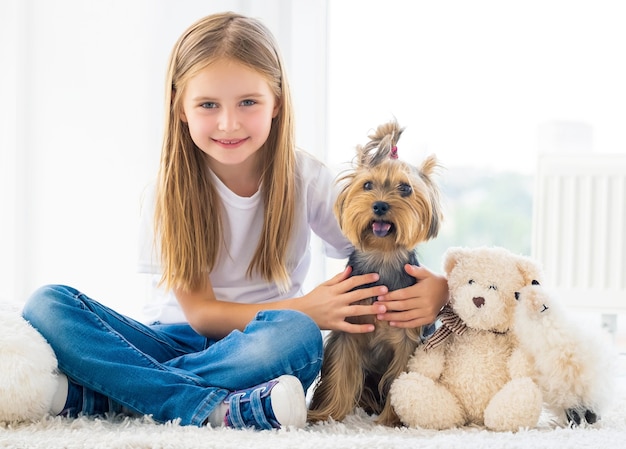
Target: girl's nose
column 228, row 120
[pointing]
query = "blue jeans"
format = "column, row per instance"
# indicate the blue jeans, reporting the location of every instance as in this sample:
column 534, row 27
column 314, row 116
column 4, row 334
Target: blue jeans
column 167, row 371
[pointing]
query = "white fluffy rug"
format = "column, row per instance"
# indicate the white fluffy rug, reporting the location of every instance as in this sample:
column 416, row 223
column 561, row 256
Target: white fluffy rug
column 357, row 431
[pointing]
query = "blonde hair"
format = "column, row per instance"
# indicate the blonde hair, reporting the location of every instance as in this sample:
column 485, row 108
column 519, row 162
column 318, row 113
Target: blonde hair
column 189, row 237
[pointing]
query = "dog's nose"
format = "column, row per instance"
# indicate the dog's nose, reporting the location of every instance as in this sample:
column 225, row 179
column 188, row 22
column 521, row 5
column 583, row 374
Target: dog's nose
column 479, row 301
column 380, row 207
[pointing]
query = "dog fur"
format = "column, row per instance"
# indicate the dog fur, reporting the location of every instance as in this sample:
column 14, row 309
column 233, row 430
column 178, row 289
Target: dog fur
column 386, row 208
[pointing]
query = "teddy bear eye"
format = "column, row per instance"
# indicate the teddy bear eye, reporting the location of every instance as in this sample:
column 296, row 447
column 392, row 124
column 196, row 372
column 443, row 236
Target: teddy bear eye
column 405, row 189
column 471, row 281
column 368, row 185
column 493, row 287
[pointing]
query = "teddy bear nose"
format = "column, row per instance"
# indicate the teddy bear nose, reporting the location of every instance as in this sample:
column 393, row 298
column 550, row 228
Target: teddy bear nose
column 479, row 301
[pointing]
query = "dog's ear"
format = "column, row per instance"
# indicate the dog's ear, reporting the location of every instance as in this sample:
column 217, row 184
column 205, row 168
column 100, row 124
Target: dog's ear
column 427, row 170
column 437, row 216
column 429, row 166
column 339, row 203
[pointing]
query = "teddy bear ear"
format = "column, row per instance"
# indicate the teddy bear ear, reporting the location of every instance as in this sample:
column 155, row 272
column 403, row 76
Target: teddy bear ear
column 451, row 257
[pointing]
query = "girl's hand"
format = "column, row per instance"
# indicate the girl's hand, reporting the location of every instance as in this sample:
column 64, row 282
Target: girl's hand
column 418, row 304
column 331, row 302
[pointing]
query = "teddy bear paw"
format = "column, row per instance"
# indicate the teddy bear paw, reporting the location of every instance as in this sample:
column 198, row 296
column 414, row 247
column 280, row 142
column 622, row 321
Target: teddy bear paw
column 517, row 405
column 421, row 402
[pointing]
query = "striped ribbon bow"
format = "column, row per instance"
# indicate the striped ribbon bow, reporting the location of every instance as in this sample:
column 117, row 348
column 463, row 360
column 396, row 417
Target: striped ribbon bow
column 450, row 323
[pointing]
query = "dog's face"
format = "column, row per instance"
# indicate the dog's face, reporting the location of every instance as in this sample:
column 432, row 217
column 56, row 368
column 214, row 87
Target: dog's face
column 389, row 205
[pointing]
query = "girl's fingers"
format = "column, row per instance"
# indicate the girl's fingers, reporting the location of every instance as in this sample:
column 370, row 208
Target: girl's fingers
column 364, row 293
column 355, row 328
column 360, row 280
column 361, row 310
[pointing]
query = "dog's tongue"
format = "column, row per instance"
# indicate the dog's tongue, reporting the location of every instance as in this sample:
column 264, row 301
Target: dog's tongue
column 380, row 228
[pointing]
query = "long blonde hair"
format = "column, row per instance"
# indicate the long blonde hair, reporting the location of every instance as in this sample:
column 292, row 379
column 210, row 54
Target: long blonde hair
column 189, row 237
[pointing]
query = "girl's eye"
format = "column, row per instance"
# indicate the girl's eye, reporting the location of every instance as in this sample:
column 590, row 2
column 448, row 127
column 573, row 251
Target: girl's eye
column 405, row 189
column 368, row 185
column 248, row 103
column 208, row 105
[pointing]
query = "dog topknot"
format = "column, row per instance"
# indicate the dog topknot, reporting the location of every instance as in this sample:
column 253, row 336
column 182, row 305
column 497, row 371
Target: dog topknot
column 381, row 144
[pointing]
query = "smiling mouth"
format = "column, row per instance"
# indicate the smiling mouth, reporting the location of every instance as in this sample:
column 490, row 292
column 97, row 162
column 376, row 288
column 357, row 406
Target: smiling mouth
column 230, row 142
column 382, row 228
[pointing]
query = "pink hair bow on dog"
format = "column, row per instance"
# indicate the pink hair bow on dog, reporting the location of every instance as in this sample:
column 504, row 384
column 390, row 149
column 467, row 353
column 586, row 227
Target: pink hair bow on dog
column 394, row 152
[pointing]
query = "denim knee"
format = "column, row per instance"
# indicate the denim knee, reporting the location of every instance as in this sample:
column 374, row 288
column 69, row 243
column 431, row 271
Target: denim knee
column 311, row 338
column 311, row 334
column 298, row 327
column 300, row 340
column 41, row 309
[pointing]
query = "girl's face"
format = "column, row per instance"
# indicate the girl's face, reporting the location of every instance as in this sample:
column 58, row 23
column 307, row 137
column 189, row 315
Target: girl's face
column 228, row 108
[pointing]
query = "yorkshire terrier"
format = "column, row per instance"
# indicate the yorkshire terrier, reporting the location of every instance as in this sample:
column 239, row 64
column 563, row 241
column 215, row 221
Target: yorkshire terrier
column 386, row 208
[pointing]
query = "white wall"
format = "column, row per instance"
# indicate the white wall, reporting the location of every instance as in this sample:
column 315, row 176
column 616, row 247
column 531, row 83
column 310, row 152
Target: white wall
column 81, row 129
column 8, row 143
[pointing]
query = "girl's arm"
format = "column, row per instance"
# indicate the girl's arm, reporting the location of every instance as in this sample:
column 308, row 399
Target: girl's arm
column 328, row 305
column 418, row 304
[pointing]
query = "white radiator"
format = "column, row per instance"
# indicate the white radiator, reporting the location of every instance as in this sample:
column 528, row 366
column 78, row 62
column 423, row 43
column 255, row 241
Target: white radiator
column 579, row 229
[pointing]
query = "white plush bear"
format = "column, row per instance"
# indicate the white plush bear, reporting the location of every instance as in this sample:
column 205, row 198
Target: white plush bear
column 472, row 371
column 574, row 365
column 28, row 370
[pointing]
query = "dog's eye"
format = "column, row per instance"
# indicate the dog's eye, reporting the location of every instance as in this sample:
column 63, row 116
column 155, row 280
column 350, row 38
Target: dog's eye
column 368, row 185
column 471, row 281
column 405, row 189
column 493, row 287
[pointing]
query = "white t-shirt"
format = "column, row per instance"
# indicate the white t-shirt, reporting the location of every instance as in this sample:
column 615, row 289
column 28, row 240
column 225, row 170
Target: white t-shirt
column 243, row 221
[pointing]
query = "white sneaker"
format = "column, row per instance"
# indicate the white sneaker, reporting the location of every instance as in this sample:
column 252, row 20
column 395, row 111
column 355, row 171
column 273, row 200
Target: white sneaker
column 270, row 405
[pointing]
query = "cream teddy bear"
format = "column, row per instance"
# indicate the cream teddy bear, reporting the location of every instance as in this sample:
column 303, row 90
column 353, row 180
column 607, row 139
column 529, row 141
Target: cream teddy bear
column 574, row 366
column 472, row 370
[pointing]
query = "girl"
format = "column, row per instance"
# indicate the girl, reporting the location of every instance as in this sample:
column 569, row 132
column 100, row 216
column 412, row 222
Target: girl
column 233, row 340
